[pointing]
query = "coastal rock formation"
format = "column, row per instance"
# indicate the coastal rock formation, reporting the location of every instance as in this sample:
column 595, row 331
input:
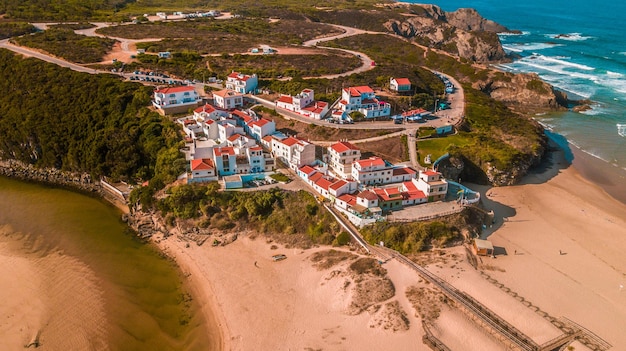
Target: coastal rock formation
column 463, row 32
column 52, row 176
column 522, row 91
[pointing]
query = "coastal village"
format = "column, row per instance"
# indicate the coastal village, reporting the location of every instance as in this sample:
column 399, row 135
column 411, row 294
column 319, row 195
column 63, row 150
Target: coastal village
column 231, row 139
column 231, row 144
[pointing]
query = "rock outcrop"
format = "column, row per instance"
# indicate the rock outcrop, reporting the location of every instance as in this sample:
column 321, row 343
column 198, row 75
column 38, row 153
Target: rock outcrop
column 522, row 91
column 463, row 32
column 78, row 181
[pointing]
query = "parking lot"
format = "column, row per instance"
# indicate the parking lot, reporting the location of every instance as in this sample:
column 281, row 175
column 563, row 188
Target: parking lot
column 159, row 78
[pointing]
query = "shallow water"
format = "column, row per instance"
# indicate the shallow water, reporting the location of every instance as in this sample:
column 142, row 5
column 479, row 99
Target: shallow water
column 145, row 302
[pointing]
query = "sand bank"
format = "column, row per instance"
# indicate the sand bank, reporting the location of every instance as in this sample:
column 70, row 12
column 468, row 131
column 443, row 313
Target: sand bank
column 560, row 241
column 35, row 308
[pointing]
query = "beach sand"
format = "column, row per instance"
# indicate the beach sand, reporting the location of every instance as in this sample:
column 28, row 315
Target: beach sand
column 560, row 241
column 34, row 289
column 563, row 236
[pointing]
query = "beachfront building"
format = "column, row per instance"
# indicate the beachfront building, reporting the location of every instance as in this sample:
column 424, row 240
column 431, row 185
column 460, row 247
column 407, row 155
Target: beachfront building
column 401, row 85
column 242, row 83
column 175, row 99
column 432, row 184
column 341, row 156
column 364, row 100
column 304, row 104
column 373, row 170
column 293, row 151
column 227, row 99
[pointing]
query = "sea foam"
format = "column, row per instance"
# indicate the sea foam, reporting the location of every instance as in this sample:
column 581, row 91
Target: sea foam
column 569, row 36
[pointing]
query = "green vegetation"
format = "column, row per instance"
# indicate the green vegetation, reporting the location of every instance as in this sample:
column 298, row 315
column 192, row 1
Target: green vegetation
column 425, row 132
column 63, row 42
column 55, row 117
column 437, row 147
column 409, row 238
column 536, row 85
column 13, row 29
column 73, row 26
column 279, row 177
column 289, row 217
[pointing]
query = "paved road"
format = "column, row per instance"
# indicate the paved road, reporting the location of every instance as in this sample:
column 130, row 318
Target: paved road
column 46, row 57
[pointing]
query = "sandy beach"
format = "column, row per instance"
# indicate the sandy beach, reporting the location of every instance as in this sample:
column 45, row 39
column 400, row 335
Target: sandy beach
column 560, row 241
column 559, row 238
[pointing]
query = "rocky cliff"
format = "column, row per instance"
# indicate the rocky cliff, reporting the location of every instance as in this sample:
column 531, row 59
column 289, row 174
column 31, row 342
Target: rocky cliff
column 463, row 32
column 524, row 92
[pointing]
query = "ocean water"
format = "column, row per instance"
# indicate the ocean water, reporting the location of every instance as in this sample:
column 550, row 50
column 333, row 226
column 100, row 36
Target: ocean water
column 579, row 47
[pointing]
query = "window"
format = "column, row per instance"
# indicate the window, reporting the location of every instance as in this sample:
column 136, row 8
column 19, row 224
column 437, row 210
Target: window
column 172, row 95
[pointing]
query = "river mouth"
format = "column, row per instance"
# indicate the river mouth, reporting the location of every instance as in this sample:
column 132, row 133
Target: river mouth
column 77, row 278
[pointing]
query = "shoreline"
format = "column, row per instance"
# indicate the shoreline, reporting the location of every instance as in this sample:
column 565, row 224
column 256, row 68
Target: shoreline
column 220, row 308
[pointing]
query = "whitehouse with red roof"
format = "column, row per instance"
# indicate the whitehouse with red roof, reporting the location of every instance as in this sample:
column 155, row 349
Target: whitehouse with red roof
column 304, row 104
column 363, row 99
column 401, row 85
column 341, row 155
column 172, row 100
column 242, row 83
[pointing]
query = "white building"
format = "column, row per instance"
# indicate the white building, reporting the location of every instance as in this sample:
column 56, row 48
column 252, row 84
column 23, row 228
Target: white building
column 202, row 170
column 175, row 99
column 304, row 104
column 261, row 128
column 293, row 152
column 364, row 100
column 227, row 99
column 373, row 170
column 432, row 184
column 401, row 85
column 242, row 83
column 341, row 155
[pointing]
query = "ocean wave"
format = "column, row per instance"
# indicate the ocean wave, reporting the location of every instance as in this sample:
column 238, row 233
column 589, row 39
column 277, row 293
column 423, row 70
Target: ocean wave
column 569, row 36
column 519, row 47
column 614, row 74
column 511, row 34
column 511, row 48
column 562, row 61
column 621, row 130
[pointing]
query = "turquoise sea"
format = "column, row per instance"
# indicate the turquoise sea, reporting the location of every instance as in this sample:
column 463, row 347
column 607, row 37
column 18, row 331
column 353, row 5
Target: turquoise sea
column 579, row 47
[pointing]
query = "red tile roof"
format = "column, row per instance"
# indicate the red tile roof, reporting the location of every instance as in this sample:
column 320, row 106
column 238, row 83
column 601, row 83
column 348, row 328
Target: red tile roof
column 226, row 93
column 286, row 99
column 202, row 164
column 430, row 173
column 403, row 170
column 219, row 151
column 348, row 198
column 256, row 148
column 172, row 90
column 206, row 108
column 246, row 117
column 343, row 146
column 358, row 91
column 259, row 123
column 371, row 162
column 307, row 170
column 338, row 184
column 290, row 141
column 415, row 112
column 323, row 183
column 315, row 177
column 410, row 186
column 368, row 195
column 403, row 81
column 239, row 76
column 234, row 137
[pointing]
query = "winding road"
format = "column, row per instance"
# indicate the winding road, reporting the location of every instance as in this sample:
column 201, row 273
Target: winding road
column 454, row 115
